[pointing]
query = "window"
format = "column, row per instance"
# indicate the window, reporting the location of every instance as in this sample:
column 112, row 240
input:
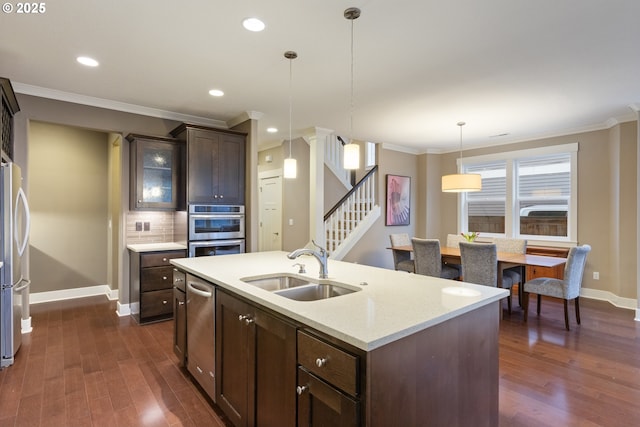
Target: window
column 528, row 194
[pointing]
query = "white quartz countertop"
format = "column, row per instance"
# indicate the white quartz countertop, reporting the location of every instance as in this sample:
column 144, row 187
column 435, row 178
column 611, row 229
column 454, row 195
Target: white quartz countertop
column 390, row 306
column 153, row 247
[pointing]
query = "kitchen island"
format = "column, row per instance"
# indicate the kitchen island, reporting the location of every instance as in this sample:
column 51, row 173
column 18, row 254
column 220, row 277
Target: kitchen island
column 403, row 349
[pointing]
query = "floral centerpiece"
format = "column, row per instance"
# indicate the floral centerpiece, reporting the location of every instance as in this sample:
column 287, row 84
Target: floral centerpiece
column 470, row 236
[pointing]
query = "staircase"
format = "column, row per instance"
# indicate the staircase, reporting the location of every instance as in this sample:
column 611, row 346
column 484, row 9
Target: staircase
column 352, row 216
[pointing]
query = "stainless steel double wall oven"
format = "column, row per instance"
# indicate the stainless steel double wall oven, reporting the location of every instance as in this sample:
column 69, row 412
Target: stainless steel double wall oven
column 216, row 230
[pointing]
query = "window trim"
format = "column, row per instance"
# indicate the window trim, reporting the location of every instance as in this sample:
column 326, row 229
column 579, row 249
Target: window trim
column 511, row 223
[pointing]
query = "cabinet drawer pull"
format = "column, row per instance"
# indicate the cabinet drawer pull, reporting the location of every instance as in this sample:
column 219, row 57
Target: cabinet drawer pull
column 320, row 362
column 301, row 389
column 246, row 318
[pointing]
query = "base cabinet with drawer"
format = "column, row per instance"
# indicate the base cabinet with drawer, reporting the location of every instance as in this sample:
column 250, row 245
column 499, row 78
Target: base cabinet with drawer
column 151, row 284
column 255, row 364
column 328, row 384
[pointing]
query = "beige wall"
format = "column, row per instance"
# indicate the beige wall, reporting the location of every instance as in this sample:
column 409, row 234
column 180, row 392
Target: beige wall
column 69, row 207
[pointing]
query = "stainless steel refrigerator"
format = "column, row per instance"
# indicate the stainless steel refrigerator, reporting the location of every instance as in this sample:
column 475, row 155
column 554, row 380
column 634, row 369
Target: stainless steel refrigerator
column 14, row 217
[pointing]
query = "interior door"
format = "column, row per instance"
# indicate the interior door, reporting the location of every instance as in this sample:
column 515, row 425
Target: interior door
column 270, row 213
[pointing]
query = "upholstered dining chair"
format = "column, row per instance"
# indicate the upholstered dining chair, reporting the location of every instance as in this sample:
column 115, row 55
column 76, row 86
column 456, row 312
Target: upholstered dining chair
column 402, row 259
column 479, row 263
column 514, row 274
column 428, row 260
column 566, row 289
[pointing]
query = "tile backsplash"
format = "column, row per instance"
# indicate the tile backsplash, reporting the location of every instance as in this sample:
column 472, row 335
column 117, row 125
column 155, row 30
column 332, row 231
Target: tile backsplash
column 161, row 227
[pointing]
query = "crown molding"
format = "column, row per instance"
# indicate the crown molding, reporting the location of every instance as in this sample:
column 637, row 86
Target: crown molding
column 247, row 115
column 401, row 149
column 108, row 104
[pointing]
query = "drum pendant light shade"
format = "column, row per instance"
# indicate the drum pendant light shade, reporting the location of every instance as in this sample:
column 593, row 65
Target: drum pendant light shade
column 461, row 182
column 351, row 156
column 290, row 168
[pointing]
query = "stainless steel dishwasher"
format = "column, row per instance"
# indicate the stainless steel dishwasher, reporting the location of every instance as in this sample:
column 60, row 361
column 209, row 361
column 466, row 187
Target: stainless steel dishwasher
column 201, row 333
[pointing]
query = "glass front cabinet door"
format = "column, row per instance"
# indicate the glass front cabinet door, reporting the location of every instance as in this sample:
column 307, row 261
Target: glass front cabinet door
column 155, row 173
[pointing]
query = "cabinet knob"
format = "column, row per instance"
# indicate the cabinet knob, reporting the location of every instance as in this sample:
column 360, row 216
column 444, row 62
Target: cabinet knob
column 139, row 201
column 164, row 259
column 320, row 362
column 301, row 389
column 164, row 277
column 221, row 196
column 180, row 302
column 215, row 196
column 164, row 301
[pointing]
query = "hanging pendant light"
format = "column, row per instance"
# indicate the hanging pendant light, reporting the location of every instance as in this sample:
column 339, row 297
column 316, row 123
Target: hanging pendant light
column 290, row 166
column 351, row 150
column 461, row 182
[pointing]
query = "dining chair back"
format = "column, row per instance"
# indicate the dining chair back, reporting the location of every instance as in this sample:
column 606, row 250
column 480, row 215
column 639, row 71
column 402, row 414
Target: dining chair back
column 401, row 259
column 513, row 275
column 479, row 263
column 566, row 289
column 428, row 259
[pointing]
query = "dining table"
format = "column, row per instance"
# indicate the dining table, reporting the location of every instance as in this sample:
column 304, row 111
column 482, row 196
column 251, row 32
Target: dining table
column 506, row 260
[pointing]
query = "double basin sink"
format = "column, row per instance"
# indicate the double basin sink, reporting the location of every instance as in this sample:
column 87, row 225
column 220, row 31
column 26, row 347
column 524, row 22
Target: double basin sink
column 300, row 288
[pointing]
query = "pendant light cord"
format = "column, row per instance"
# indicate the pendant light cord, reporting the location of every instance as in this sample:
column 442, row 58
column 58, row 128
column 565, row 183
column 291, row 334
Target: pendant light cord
column 461, row 124
column 290, row 100
column 351, row 104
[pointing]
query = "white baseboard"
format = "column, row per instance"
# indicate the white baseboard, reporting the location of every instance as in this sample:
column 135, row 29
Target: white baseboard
column 612, row 298
column 123, row 310
column 64, row 294
column 25, row 325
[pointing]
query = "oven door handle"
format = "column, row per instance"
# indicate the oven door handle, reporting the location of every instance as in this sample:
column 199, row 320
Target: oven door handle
column 216, row 216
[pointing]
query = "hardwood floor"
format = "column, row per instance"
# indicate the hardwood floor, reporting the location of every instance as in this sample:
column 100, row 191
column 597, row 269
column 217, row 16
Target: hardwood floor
column 84, row 366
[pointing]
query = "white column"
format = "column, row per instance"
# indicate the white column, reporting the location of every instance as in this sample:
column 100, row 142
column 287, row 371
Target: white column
column 317, row 138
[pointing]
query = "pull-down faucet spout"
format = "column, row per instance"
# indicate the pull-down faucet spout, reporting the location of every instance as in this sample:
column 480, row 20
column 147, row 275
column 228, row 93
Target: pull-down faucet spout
column 320, row 255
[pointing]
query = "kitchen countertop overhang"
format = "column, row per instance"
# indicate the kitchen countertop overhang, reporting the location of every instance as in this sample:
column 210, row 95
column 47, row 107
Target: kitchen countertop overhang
column 154, row 247
column 391, row 305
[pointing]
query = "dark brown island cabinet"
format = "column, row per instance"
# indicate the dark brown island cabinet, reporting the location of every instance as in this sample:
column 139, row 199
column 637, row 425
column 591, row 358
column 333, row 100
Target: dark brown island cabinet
column 151, row 284
column 156, row 165
column 274, row 371
column 215, row 164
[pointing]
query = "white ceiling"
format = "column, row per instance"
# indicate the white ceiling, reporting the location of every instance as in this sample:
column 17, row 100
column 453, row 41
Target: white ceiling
column 525, row 68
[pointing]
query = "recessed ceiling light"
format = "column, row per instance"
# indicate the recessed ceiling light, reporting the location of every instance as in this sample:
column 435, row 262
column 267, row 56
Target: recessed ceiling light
column 216, row 92
column 89, row 62
column 272, row 130
column 253, row 24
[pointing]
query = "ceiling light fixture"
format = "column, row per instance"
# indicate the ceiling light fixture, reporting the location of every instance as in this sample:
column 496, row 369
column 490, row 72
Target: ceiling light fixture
column 461, row 182
column 290, row 166
column 253, row 24
column 89, row 62
column 351, row 150
column 272, row 130
column 216, row 92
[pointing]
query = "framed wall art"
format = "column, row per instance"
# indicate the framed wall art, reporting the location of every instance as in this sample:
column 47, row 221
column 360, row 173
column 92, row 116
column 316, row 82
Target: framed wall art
column 398, row 200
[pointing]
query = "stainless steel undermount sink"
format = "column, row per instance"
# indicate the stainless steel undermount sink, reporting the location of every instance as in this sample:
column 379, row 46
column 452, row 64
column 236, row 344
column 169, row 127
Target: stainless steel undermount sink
column 300, row 288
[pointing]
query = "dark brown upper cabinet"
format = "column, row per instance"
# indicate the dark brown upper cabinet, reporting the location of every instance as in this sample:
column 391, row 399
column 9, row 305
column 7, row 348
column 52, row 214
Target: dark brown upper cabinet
column 215, row 164
column 155, row 166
